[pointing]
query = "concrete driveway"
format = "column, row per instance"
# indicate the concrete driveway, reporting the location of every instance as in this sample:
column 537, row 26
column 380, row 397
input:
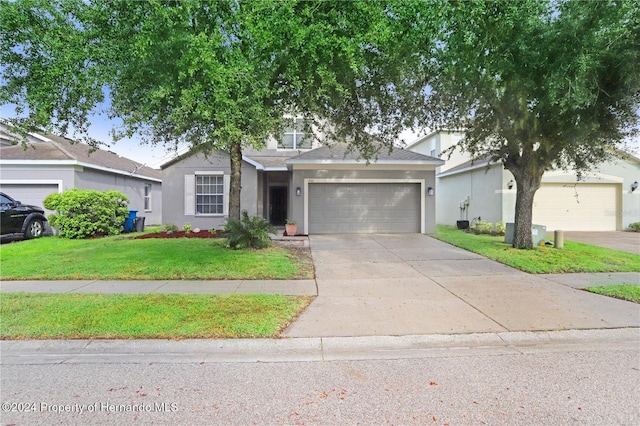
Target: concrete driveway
column 404, row 284
column 623, row 241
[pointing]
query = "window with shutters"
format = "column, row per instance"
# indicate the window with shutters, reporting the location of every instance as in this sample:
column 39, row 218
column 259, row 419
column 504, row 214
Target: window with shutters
column 209, row 195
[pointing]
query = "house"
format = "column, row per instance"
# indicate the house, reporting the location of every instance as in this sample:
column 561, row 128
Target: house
column 324, row 189
column 51, row 164
column 604, row 200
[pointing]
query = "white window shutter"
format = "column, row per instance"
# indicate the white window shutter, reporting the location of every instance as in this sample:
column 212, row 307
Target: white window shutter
column 189, row 195
column 226, row 180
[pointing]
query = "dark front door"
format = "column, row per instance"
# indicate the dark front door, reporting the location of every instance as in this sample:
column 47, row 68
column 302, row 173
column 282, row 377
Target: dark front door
column 277, row 205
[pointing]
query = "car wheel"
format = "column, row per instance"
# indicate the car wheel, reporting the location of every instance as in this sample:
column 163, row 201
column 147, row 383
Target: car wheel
column 35, row 228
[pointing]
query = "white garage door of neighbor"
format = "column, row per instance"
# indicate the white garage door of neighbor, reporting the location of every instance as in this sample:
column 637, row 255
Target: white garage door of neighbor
column 29, row 193
column 576, row 207
column 364, row 208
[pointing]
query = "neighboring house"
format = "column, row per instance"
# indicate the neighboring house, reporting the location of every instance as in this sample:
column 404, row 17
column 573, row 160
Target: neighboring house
column 604, row 200
column 51, row 164
column 323, row 189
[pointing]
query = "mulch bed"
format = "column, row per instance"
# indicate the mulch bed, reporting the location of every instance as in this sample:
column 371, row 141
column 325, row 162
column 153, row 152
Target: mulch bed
column 181, row 234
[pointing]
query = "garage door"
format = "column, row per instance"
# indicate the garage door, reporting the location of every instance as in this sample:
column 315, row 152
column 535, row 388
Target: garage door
column 577, row 207
column 364, row 208
column 33, row 194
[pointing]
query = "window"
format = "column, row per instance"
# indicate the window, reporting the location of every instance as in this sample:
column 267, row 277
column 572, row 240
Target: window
column 147, row 197
column 295, row 137
column 209, row 195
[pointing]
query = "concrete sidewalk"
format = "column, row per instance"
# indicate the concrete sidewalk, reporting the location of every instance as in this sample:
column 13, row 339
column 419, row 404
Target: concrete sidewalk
column 286, row 287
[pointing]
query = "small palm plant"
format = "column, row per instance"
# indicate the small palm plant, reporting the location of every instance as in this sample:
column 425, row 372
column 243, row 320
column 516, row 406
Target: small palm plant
column 248, row 232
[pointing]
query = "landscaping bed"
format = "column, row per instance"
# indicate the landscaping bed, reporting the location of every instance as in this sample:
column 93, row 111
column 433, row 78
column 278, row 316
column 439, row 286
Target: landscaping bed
column 181, row 234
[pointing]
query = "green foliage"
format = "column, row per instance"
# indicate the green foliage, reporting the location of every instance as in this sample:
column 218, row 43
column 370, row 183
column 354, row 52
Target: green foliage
column 248, row 232
column 500, row 228
column 481, row 227
column 187, row 227
column 87, row 213
column 170, row 227
column 635, row 226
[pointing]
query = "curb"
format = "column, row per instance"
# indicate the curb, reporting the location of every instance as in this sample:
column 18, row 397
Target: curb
column 313, row 349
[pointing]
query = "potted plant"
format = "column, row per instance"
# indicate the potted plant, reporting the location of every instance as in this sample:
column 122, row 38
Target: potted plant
column 290, row 227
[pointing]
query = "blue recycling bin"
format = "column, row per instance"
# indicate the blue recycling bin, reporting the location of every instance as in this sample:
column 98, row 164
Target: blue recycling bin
column 128, row 223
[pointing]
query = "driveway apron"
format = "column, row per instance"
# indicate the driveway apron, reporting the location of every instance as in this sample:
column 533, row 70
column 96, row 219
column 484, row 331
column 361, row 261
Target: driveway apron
column 404, row 284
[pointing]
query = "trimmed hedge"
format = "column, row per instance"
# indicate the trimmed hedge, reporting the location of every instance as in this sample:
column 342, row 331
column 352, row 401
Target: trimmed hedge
column 82, row 213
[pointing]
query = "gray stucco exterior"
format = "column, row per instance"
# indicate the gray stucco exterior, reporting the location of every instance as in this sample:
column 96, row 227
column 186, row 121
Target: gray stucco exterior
column 276, row 186
column 175, row 209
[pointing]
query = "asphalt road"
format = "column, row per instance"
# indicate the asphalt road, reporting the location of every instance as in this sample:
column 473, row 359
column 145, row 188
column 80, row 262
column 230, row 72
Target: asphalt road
column 557, row 385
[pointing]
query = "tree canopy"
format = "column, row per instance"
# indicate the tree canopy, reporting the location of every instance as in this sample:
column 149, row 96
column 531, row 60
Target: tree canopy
column 534, row 84
column 218, row 75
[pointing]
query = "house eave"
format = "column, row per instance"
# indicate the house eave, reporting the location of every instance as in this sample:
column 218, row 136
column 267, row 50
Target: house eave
column 75, row 163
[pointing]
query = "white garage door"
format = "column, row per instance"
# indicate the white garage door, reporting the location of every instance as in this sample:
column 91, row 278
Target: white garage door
column 33, row 194
column 364, row 208
column 576, row 207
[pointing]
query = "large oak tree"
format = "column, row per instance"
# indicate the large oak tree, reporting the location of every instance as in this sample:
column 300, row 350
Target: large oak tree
column 216, row 75
column 535, row 85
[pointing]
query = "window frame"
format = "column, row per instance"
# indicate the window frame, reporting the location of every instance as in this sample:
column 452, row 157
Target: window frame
column 295, row 133
column 147, row 197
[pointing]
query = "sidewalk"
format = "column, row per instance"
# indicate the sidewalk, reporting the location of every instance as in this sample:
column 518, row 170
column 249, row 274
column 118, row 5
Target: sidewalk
column 285, row 287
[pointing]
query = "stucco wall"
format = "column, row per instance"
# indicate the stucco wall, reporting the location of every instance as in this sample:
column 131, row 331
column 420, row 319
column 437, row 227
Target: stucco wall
column 296, row 203
column 482, row 188
column 173, row 179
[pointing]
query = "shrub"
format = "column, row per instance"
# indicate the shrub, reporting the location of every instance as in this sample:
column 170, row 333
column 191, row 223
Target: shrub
column 500, row 228
column 170, row 227
column 635, row 226
column 248, row 232
column 187, row 228
column 481, row 227
column 82, row 213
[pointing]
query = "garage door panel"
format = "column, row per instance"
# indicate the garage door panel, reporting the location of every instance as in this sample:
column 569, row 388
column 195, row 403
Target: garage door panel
column 30, row 193
column 364, row 208
column 577, row 207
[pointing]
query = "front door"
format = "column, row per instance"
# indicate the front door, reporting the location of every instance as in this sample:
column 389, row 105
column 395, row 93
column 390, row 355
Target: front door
column 277, row 205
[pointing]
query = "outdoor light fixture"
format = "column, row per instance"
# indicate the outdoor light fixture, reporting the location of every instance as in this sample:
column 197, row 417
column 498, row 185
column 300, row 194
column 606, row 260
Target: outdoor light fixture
column 634, row 186
column 430, row 192
column 510, row 184
column 298, row 191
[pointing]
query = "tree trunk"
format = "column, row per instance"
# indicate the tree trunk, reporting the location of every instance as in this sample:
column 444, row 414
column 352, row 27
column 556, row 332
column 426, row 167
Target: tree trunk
column 235, row 184
column 527, row 183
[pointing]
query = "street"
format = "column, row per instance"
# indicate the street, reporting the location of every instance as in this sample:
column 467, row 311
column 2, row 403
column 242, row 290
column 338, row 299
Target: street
column 555, row 384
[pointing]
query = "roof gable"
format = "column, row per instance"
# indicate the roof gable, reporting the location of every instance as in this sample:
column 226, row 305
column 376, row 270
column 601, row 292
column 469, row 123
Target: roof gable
column 55, row 148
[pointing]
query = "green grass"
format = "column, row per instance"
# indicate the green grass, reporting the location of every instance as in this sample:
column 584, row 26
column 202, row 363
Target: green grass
column 126, row 316
column 125, row 258
column 574, row 257
column 628, row 292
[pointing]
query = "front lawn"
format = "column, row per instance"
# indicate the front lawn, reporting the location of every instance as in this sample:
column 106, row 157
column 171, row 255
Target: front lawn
column 129, row 316
column 574, row 257
column 125, row 258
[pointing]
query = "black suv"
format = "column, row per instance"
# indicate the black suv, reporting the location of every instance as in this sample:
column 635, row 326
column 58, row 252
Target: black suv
column 20, row 221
